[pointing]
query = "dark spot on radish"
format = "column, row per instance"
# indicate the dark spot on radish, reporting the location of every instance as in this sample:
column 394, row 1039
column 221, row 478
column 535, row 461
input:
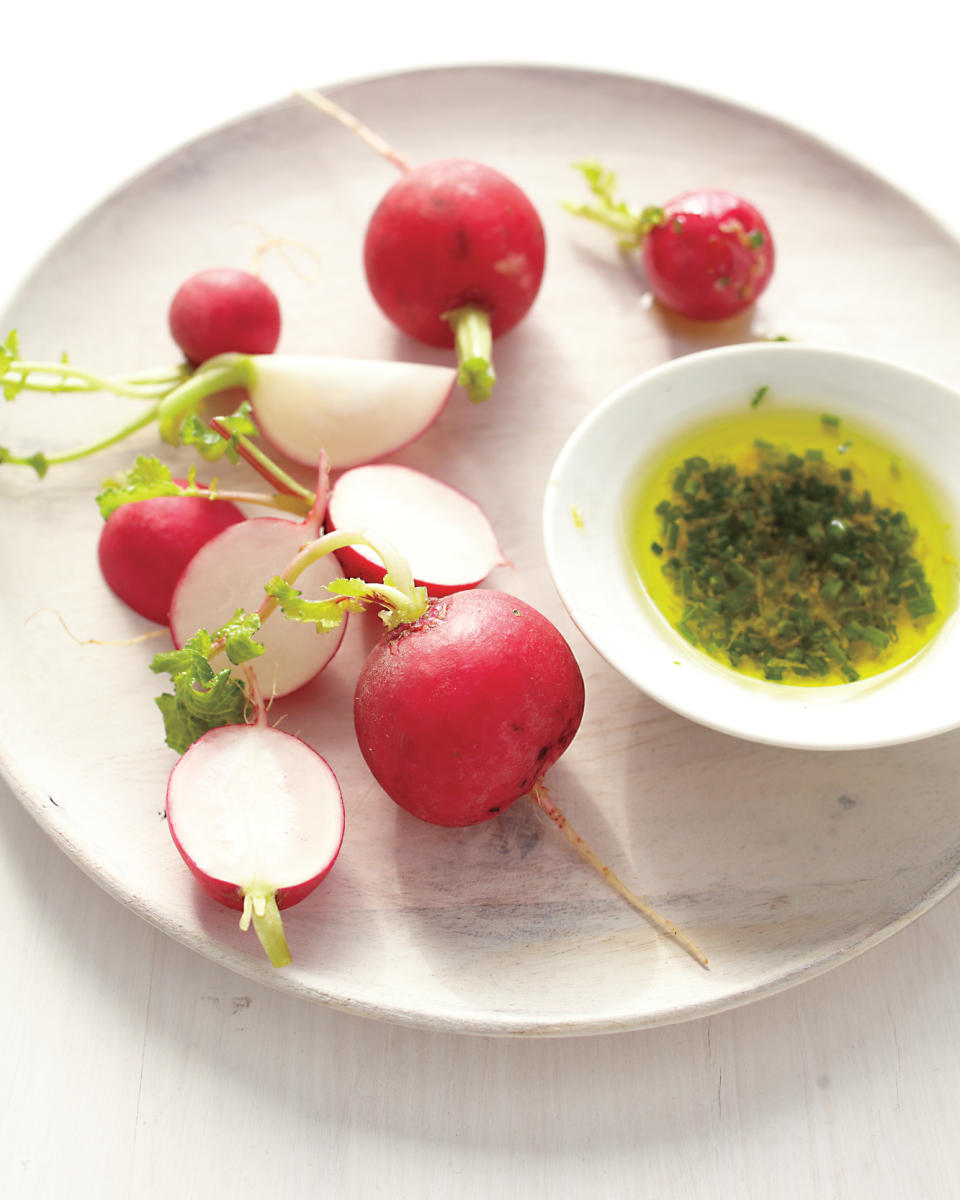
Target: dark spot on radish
column 544, row 750
column 495, row 809
column 463, row 244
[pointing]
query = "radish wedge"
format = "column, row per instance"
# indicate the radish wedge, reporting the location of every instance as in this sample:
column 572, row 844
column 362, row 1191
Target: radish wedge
column 355, row 410
column 258, row 817
column 230, row 571
column 443, row 534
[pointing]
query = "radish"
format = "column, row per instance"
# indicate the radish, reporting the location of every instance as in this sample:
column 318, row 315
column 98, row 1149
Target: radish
column 357, row 410
column 460, row 709
column 145, row 546
column 463, row 712
column 258, row 817
column 707, row 254
column 228, row 573
column 222, row 310
column 353, row 410
column 454, row 254
column 443, row 534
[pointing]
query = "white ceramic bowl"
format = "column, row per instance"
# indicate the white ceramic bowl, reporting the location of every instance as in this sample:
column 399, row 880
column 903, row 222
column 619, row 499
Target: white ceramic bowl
column 585, row 537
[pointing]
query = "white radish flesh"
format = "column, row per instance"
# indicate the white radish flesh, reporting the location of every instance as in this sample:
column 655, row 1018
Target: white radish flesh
column 443, row 534
column 354, row 410
column 258, row 817
column 230, row 572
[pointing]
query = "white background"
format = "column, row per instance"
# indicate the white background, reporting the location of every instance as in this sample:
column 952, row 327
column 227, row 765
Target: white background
column 134, row 1068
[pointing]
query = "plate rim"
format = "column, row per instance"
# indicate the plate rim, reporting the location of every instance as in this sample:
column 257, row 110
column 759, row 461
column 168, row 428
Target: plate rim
column 35, row 803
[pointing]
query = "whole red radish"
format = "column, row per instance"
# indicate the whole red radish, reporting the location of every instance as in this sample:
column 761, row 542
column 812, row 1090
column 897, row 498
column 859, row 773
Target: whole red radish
column 463, row 712
column 257, row 816
column 224, row 311
column 450, row 234
column 145, row 546
column 710, row 257
column 454, row 253
column 707, row 254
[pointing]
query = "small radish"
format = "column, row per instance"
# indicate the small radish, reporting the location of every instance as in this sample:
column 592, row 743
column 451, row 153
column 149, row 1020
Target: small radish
column 228, row 573
column 223, row 311
column 145, row 546
column 454, row 254
column 443, row 534
column 258, row 817
column 356, row 410
column 707, row 254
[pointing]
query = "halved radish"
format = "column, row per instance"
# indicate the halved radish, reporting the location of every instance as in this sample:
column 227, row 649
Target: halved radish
column 230, row 572
column 353, row 409
column 258, row 817
column 443, row 534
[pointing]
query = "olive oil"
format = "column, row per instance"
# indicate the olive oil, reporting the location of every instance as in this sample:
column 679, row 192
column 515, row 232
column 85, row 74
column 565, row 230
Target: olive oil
column 793, row 546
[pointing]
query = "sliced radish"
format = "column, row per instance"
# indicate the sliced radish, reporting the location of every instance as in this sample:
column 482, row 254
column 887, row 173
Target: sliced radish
column 230, row 572
column 258, row 817
column 353, row 409
column 443, row 534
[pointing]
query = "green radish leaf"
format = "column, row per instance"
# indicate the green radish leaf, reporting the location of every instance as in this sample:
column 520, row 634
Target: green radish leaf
column 632, row 224
column 324, row 614
column 206, row 441
column 209, row 443
column 239, row 643
column 146, row 479
column 203, row 698
column 9, row 353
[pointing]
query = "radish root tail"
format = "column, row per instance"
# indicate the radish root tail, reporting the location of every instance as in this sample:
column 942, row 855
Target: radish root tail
column 541, row 797
column 374, row 140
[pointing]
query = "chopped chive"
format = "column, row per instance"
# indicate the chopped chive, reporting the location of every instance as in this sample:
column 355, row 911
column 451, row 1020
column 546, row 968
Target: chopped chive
column 789, row 570
column 829, row 419
column 758, row 395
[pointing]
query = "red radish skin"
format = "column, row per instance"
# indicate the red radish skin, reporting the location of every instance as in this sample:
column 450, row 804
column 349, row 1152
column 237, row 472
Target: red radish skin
column 463, row 712
column 258, row 817
column 711, row 257
column 223, row 311
column 448, row 234
column 444, row 536
column 145, row 546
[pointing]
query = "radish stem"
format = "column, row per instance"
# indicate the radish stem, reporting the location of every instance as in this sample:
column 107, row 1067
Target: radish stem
column 267, row 468
column 541, row 798
column 474, row 343
column 216, row 375
column 405, row 601
column 132, row 386
column 41, row 462
column 374, row 140
column 262, row 907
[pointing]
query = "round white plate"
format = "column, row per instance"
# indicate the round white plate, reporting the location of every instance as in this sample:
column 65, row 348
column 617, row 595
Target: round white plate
column 779, row 863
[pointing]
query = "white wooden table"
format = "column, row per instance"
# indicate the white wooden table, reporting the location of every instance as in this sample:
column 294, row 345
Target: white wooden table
column 133, row 1067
